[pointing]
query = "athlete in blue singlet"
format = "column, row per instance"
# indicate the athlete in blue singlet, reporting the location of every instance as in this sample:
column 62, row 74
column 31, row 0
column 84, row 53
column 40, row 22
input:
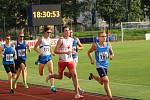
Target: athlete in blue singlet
column 103, row 52
column 9, row 54
column 45, row 54
column 20, row 64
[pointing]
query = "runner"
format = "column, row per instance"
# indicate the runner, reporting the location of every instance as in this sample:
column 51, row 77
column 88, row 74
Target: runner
column 76, row 46
column 20, row 63
column 8, row 55
column 103, row 51
column 45, row 54
column 64, row 48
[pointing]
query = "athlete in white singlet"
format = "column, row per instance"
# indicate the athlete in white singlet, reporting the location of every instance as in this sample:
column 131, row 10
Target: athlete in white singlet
column 65, row 50
column 45, row 56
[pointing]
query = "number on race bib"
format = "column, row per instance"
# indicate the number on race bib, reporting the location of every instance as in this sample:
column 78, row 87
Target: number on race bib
column 9, row 57
column 103, row 56
column 21, row 52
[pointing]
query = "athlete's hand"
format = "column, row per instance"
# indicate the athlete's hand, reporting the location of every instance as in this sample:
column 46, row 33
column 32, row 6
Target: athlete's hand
column 53, row 54
column 40, row 53
column 111, row 56
column 15, row 57
column 92, row 61
column 69, row 52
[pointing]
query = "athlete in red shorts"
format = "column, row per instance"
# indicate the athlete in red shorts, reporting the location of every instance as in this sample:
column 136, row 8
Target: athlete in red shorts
column 64, row 49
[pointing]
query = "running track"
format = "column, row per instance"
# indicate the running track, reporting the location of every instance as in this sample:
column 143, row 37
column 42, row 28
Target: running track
column 35, row 92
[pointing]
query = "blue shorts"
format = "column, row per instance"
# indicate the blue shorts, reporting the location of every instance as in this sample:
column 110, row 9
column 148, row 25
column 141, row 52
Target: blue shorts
column 45, row 59
column 102, row 71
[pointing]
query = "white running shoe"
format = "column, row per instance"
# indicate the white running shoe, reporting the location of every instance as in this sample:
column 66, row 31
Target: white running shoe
column 78, row 96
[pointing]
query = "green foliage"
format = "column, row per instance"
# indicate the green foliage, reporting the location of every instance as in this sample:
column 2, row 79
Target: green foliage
column 135, row 10
column 111, row 11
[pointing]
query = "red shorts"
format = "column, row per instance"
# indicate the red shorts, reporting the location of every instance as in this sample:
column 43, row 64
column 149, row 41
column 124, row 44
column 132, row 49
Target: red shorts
column 63, row 65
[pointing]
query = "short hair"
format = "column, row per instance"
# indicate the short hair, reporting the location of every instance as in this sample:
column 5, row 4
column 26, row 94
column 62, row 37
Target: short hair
column 65, row 27
column 8, row 35
column 47, row 28
column 20, row 33
column 99, row 33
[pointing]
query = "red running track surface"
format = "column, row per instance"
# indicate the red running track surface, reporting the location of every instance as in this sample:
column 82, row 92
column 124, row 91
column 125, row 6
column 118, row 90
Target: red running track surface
column 36, row 92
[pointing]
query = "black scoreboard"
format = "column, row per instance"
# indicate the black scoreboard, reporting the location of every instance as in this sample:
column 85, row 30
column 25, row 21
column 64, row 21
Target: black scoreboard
column 45, row 15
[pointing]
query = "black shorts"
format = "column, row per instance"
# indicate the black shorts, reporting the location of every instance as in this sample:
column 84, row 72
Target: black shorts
column 10, row 68
column 102, row 71
column 18, row 62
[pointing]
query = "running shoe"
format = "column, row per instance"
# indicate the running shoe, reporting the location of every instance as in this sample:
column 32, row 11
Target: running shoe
column 26, row 85
column 78, row 96
column 36, row 62
column 11, row 91
column 81, row 91
column 91, row 76
column 53, row 89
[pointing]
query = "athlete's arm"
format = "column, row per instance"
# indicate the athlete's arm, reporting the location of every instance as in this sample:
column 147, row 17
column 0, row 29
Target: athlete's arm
column 15, row 54
column 28, row 47
column 36, row 46
column 111, row 51
column 92, row 49
column 51, row 50
column 1, row 49
column 58, row 45
column 80, row 46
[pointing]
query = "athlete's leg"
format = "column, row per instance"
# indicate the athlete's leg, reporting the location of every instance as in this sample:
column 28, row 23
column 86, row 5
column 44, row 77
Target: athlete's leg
column 10, row 79
column 41, row 68
column 73, row 73
column 68, row 74
column 17, row 76
column 24, row 74
column 97, row 78
column 106, row 86
column 61, row 68
column 50, row 69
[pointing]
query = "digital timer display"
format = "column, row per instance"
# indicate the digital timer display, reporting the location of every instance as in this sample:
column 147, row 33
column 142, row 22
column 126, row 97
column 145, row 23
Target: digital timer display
column 45, row 15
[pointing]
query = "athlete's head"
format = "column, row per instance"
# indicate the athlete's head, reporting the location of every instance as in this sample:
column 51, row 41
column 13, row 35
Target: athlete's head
column 47, row 31
column 7, row 39
column 21, row 36
column 102, row 36
column 66, row 31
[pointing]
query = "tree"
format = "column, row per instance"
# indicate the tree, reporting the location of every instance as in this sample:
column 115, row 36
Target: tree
column 89, row 12
column 111, row 11
column 145, row 6
column 135, row 12
column 71, row 9
column 15, row 12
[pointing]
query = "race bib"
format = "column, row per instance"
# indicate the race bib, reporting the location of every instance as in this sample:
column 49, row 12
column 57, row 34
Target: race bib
column 9, row 57
column 46, row 50
column 66, row 57
column 103, row 56
column 21, row 52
